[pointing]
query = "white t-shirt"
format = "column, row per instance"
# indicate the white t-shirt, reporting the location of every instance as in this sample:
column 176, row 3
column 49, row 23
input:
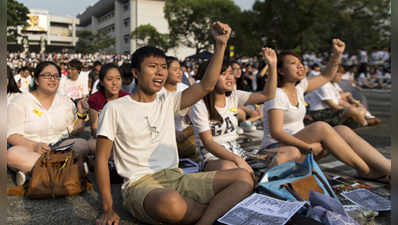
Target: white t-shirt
column 27, row 117
column 363, row 57
column 26, row 83
column 11, row 96
column 314, row 73
column 74, row 89
column 142, row 141
column 325, row 92
column 293, row 116
column 362, row 76
column 180, row 122
column 221, row 132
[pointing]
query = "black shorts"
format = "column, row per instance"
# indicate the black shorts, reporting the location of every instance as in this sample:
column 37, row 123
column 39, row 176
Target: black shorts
column 333, row 117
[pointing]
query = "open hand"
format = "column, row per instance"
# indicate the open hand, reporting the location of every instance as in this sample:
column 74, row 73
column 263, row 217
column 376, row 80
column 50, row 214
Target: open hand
column 41, row 148
column 270, row 56
column 241, row 163
column 221, row 32
column 109, row 217
column 338, row 46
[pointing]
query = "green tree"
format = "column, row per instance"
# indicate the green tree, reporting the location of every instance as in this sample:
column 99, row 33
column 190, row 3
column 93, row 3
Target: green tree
column 189, row 20
column 311, row 24
column 91, row 43
column 17, row 15
column 148, row 35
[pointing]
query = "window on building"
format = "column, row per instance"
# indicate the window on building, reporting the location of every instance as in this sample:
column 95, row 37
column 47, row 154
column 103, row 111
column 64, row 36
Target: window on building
column 126, row 22
column 126, row 38
column 107, row 16
column 126, row 6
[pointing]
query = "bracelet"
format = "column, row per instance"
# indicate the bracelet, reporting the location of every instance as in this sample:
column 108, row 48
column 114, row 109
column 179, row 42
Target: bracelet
column 81, row 116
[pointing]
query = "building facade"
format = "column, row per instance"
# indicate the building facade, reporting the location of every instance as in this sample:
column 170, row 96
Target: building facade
column 118, row 18
column 46, row 33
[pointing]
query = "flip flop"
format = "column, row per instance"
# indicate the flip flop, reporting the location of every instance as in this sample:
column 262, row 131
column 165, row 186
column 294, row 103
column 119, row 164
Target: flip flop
column 385, row 179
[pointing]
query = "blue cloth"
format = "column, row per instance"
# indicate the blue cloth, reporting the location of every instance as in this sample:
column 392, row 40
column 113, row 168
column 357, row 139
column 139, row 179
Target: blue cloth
column 185, row 80
column 328, row 210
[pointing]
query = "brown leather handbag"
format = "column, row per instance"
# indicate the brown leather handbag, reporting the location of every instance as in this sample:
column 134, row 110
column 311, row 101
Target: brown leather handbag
column 301, row 188
column 56, row 174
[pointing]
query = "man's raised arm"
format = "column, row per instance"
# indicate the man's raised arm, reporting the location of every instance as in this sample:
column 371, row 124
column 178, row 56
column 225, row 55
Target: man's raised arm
column 221, row 33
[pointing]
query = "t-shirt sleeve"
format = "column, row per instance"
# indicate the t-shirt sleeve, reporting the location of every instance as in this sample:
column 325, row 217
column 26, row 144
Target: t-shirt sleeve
column 107, row 122
column 200, row 117
column 303, row 85
column 85, row 84
column 242, row 96
column 74, row 114
column 15, row 118
column 175, row 98
column 279, row 102
column 93, row 102
column 324, row 92
column 61, row 90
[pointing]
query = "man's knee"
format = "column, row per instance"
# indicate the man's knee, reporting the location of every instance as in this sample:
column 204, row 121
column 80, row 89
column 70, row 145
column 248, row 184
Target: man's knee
column 243, row 176
column 167, row 206
column 227, row 165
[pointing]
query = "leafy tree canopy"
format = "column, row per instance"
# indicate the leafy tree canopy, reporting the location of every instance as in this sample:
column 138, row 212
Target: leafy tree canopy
column 148, row 35
column 17, row 15
column 91, row 43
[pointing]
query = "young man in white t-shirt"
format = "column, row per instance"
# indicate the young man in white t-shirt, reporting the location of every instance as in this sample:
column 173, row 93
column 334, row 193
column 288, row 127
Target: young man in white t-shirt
column 139, row 130
column 75, row 85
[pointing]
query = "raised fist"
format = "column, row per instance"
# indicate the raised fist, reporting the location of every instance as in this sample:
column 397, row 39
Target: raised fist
column 221, row 32
column 338, row 46
column 270, row 56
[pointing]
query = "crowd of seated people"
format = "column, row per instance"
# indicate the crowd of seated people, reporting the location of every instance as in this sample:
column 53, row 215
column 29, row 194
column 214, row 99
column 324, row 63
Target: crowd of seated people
column 145, row 112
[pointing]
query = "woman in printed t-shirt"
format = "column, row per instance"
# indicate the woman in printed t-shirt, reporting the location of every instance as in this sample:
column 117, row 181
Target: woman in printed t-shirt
column 42, row 117
column 283, row 120
column 215, row 122
column 75, row 85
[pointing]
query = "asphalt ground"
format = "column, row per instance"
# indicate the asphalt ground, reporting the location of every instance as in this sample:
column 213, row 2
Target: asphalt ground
column 83, row 209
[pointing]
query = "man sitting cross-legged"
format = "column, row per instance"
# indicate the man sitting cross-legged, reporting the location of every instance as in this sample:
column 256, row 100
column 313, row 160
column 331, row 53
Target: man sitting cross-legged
column 139, row 129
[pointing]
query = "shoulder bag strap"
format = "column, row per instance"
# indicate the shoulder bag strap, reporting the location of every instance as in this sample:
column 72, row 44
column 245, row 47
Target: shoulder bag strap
column 324, row 183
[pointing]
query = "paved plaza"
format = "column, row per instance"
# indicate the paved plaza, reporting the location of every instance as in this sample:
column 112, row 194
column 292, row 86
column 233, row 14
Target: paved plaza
column 83, row 209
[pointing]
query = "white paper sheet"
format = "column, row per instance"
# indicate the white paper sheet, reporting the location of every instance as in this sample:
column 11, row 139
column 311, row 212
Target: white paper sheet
column 367, row 199
column 260, row 209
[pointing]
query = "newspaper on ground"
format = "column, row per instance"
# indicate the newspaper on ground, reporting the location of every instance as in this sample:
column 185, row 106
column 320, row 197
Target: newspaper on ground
column 367, row 199
column 258, row 209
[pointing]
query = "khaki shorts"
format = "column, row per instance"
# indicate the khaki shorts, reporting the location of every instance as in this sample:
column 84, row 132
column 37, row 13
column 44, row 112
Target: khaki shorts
column 197, row 186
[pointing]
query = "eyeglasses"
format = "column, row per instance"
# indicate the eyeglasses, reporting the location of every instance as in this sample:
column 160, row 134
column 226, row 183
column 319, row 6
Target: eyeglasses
column 48, row 76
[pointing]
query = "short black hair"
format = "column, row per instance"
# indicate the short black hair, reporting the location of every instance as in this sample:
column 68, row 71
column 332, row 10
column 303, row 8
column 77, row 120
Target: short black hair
column 97, row 63
column 75, row 64
column 144, row 52
column 170, row 59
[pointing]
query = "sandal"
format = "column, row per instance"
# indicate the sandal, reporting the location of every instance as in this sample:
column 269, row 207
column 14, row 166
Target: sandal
column 385, row 179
